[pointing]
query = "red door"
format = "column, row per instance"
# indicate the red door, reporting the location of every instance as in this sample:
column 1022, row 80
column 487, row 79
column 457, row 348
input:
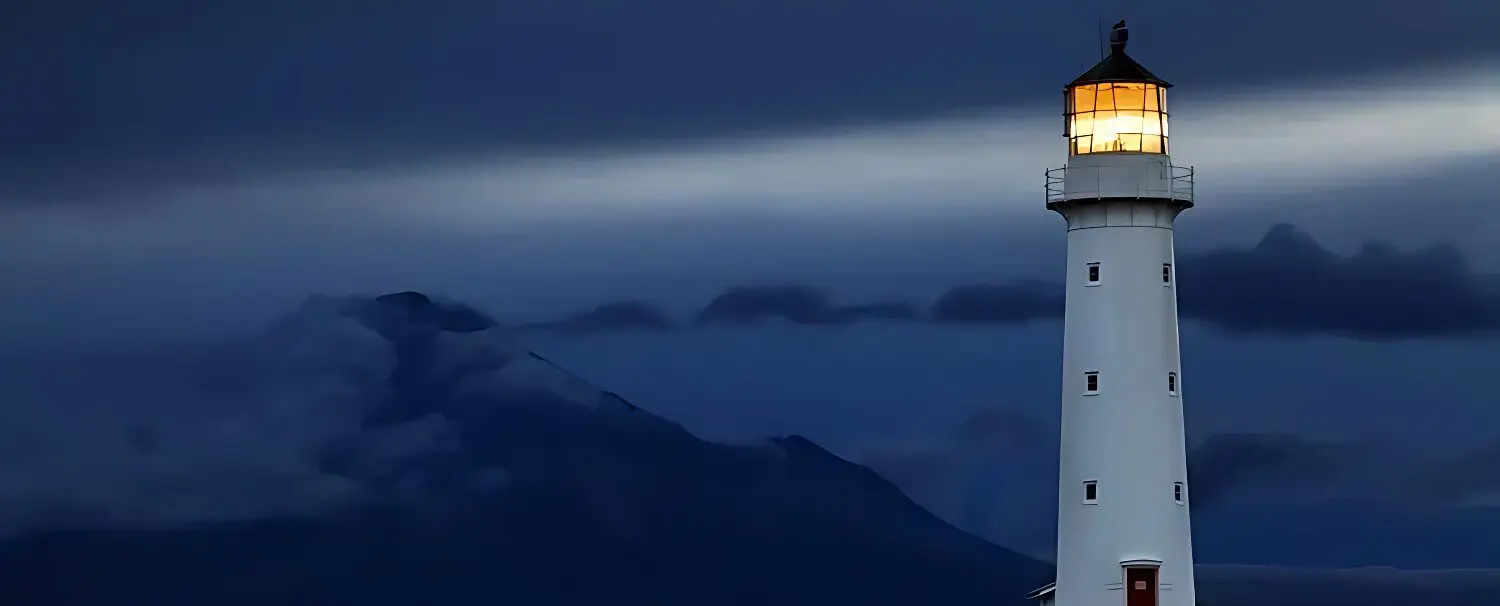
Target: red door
column 1140, row 586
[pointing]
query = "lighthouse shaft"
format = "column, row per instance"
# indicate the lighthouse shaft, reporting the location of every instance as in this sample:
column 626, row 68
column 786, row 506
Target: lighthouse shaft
column 1123, row 519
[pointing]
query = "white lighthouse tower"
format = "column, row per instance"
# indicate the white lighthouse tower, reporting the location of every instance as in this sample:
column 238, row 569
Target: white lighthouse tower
column 1123, row 534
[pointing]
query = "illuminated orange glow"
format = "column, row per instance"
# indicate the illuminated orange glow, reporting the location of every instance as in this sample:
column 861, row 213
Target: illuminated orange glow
column 1116, row 117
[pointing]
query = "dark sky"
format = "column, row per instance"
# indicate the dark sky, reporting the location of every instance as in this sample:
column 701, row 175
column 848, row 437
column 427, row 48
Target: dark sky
column 178, row 170
column 109, row 82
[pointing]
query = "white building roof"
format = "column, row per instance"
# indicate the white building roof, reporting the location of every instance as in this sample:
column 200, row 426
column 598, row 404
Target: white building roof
column 1039, row 592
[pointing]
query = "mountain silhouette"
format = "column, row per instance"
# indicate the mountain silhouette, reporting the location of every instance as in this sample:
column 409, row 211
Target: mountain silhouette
column 546, row 490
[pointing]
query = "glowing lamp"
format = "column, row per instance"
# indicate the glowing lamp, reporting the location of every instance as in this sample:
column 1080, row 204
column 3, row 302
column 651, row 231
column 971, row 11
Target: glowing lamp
column 1116, row 106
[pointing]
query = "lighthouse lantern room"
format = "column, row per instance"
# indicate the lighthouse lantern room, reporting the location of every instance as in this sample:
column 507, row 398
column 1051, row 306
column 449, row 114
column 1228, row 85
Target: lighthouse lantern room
column 1116, row 106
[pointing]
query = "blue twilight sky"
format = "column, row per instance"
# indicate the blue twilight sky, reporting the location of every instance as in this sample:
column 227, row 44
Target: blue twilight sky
column 172, row 171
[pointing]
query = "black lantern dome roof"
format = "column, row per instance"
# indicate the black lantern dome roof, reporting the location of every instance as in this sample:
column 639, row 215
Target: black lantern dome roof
column 1118, row 67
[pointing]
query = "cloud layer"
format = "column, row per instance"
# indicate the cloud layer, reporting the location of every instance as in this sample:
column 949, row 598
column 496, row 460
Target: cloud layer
column 1245, row 146
column 796, row 304
column 1286, row 284
column 1289, row 284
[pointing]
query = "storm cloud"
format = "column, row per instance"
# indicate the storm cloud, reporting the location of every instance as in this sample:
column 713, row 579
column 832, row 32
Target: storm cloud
column 1285, row 284
column 615, row 316
column 999, row 303
column 1288, row 283
column 799, row 304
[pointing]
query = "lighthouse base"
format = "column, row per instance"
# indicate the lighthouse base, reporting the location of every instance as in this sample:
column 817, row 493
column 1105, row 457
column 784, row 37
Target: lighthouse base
column 1141, row 586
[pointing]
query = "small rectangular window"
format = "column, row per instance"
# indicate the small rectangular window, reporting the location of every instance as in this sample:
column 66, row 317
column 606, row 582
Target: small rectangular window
column 1090, row 382
column 1177, row 492
column 1090, row 491
column 1166, row 274
column 1093, row 274
column 1172, row 383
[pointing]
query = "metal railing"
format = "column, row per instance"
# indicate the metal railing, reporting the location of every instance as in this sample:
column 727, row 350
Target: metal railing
column 1055, row 179
column 1182, row 182
column 1179, row 185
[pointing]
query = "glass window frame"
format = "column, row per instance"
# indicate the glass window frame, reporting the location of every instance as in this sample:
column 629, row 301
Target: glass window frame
column 1083, row 143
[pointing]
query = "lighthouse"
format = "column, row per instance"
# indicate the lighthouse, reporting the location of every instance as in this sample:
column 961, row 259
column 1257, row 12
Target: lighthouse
column 1123, row 531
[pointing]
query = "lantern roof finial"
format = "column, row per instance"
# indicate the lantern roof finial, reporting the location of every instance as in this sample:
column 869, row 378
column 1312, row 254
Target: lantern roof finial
column 1118, row 66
